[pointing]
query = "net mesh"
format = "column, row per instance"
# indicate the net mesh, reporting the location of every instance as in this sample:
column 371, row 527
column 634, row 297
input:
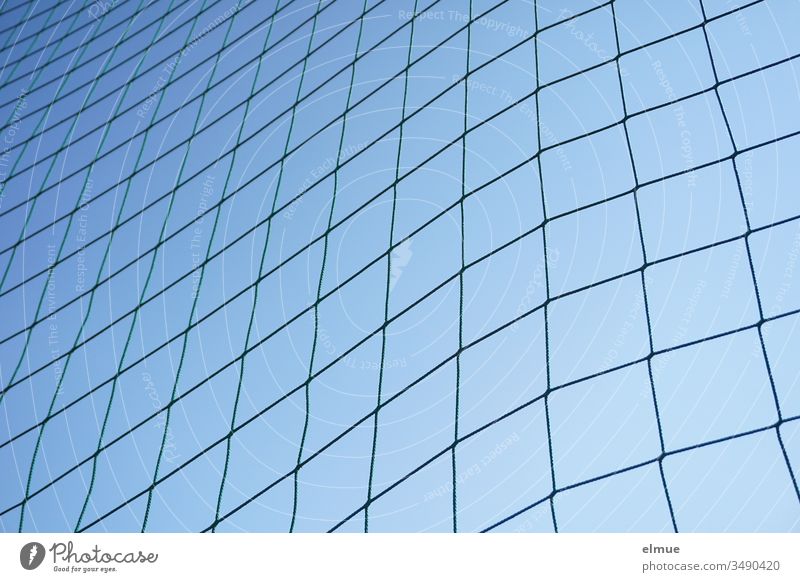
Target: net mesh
column 140, row 383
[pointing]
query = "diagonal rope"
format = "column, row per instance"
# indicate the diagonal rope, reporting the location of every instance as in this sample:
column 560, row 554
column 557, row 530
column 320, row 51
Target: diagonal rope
column 445, row 361
column 15, row 117
column 265, row 220
column 255, row 289
column 370, row 145
column 307, row 391
column 293, row 319
column 48, row 278
column 188, row 44
column 87, row 314
column 581, row 483
column 277, row 117
column 196, row 294
column 747, row 234
column 427, row 374
column 49, row 26
column 10, row 43
column 389, row 269
column 642, row 277
column 132, row 326
column 56, row 58
column 28, row 51
column 640, row 465
column 635, row 271
column 737, row 9
column 29, row 211
column 422, row 227
column 330, row 173
column 4, row 12
column 700, row 166
column 414, row 383
column 274, row 202
column 218, row 119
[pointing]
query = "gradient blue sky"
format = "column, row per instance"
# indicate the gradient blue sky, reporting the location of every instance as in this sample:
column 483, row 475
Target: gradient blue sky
column 639, row 191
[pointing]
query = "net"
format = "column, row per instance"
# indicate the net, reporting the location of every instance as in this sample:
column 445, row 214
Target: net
column 388, row 266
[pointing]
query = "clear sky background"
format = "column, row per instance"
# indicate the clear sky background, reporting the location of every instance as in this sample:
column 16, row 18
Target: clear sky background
column 399, row 266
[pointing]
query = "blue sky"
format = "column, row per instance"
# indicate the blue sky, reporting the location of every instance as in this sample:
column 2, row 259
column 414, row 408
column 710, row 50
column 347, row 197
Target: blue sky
column 560, row 239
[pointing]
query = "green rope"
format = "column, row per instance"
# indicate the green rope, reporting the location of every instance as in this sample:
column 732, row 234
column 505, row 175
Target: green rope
column 459, row 438
column 133, row 320
column 15, row 112
column 389, row 268
column 159, row 89
column 10, row 29
column 96, row 77
column 45, row 27
column 79, row 334
column 640, row 230
column 197, row 293
column 216, row 223
column 415, row 382
column 249, row 181
column 461, row 276
column 322, row 270
column 342, row 221
column 289, row 135
column 55, row 59
column 27, row 220
column 545, row 309
column 28, row 51
column 205, row 128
